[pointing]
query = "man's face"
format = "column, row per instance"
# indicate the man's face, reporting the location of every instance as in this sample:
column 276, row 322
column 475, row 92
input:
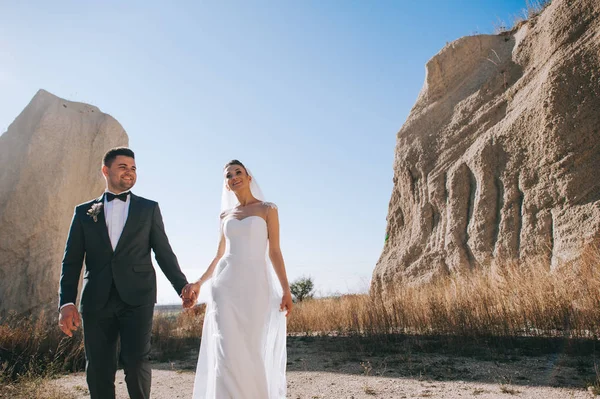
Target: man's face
column 121, row 174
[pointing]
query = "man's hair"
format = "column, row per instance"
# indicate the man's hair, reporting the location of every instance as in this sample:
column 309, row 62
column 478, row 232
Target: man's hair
column 235, row 162
column 113, row 153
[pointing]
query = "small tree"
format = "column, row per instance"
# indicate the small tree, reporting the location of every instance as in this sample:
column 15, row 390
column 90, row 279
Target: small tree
column 302, row 289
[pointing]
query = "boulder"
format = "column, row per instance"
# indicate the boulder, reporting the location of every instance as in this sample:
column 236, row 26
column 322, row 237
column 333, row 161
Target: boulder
column 50, row 160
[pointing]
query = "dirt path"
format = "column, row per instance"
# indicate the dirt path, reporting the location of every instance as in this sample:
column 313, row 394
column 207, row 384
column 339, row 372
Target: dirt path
column 332, row 368
column 169, row 384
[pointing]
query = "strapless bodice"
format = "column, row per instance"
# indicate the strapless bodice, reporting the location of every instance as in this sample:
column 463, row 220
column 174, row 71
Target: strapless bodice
column 246, row 238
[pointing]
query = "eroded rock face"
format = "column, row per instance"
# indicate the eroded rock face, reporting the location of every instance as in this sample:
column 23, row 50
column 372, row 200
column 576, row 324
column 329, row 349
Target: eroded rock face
column 500, row 156
column 50, row 159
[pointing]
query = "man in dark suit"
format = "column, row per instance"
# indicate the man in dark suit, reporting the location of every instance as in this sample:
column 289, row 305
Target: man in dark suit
column 115, row 234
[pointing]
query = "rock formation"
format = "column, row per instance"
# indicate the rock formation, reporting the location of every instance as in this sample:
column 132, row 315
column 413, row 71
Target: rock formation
column 50, row 160
column 499, row 158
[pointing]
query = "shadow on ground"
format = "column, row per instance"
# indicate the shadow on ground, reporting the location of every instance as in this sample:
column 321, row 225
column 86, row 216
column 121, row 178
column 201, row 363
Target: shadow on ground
column 531, row 361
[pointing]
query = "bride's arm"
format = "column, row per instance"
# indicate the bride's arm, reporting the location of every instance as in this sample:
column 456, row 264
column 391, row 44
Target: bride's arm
column 211, row 268
column 192, row 291
column 277, row 258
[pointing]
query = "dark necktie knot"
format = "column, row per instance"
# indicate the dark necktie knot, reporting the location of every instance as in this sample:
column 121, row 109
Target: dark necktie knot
column 122, row 196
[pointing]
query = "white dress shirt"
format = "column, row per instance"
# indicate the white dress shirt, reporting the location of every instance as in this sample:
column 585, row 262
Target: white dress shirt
column 115, row 214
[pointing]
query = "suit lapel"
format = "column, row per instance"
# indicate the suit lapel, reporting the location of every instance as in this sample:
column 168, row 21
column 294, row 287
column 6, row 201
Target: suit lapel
column 103, row 230
column 132, row 220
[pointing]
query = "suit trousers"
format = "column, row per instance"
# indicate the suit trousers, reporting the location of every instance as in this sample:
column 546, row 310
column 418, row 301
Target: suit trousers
column 101, row 330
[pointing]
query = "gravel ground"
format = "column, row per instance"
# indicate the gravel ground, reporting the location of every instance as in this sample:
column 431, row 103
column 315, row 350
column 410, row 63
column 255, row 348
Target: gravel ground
column 331, row 368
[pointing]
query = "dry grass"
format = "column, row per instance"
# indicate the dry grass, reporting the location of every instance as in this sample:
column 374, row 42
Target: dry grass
column 33, row 388
column 37, row 348
column 509, row 300
column 31, row 351
column 532, row 9
column 31, row 348
column 174, row 334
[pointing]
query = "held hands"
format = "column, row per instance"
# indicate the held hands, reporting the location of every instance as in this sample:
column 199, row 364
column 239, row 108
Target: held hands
column 286, row 303
column 69, row 319
column 189, row 295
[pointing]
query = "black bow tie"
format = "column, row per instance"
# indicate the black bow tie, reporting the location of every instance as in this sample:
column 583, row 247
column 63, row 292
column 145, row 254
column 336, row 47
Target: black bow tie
column 122, row 196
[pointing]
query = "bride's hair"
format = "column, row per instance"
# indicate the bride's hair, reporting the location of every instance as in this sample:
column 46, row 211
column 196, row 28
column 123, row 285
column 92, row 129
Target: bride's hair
column 235, row 162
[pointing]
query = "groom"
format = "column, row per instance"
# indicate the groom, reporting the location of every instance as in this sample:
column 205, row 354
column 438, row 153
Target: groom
column 115, row 234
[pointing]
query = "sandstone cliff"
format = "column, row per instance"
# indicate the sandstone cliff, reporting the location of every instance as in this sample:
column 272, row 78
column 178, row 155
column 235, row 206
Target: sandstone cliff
column 50, row 160
column 500, row 156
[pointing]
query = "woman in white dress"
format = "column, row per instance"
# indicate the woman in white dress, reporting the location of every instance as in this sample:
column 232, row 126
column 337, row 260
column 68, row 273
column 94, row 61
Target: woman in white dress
column 243, row 348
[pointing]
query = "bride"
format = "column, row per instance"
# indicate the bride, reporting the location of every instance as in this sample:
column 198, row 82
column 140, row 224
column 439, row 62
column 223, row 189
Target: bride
column 243, row 348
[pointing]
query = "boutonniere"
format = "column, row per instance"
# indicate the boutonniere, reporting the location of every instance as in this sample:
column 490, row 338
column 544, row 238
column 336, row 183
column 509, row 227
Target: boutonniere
column 95, row 210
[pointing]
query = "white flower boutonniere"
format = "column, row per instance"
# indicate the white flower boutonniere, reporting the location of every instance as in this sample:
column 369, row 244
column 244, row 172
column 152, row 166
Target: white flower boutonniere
column 95, row 210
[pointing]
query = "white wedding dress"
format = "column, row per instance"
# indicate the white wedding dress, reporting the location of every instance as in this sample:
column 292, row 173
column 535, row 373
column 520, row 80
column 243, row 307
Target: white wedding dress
column 243, row 348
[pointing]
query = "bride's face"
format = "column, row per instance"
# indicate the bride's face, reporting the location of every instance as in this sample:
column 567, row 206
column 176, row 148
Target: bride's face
column 236, row 178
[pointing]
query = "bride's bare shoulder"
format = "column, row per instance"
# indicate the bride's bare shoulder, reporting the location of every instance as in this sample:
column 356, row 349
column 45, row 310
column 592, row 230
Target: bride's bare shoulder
column 269, row 205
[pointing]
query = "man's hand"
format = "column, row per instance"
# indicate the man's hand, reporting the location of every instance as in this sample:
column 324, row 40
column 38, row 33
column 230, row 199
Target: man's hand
column 69, row 319
column 189, row 294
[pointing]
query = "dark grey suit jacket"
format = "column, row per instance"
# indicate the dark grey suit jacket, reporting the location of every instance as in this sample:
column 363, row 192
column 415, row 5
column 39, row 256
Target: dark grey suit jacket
column 129, row 265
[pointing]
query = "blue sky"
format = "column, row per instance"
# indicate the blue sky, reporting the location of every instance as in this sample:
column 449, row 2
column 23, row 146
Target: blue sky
column 308, row 94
